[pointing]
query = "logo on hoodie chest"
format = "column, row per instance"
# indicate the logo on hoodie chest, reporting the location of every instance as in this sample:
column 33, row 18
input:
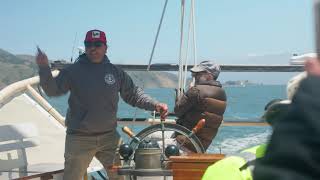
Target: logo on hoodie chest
column 109, row 79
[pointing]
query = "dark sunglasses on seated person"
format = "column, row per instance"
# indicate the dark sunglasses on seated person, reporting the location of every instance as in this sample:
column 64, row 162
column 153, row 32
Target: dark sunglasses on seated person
column 194, row 74
column 93, row 44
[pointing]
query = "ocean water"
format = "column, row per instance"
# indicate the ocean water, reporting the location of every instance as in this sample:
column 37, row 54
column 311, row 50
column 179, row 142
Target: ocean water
column 244, row 104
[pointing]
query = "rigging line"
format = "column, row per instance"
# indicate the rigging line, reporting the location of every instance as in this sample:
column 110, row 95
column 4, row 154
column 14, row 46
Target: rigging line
column 156, row 39
column 152, row 52
column 153, row 48
column 194, row 33
column 179, row 91
column 194, row 40
column 187, row 52
column 74, row 42
column 191, row 28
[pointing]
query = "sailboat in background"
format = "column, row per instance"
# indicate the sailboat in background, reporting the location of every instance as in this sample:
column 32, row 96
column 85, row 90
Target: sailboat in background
column 300, row 59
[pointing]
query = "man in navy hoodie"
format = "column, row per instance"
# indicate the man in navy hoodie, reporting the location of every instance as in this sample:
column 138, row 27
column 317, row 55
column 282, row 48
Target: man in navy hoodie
column 94, row 85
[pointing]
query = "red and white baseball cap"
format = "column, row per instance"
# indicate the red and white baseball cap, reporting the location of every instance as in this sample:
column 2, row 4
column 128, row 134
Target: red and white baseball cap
column 95, row 36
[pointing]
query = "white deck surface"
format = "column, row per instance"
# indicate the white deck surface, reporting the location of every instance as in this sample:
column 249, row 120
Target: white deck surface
column 48, row 136
column 29, row 120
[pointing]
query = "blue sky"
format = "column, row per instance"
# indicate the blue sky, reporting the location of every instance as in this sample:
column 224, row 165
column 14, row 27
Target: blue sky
column 228, row 31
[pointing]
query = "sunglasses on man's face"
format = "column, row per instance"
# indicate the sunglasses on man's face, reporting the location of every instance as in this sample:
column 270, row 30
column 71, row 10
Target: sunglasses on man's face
column 198, row 74
column 93, row 44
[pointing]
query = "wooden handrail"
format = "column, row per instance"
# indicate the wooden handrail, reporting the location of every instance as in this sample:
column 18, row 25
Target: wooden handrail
column 20, row 87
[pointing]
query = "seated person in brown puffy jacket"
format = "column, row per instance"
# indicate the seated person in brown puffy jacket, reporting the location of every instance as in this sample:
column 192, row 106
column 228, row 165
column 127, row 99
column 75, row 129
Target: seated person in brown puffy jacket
column 206, row 100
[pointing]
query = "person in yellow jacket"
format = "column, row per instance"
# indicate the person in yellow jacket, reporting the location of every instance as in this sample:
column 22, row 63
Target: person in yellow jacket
column 235, row 167
column 239, row 166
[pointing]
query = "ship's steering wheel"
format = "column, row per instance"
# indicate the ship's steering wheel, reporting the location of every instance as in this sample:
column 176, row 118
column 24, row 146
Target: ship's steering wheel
column 164, row 127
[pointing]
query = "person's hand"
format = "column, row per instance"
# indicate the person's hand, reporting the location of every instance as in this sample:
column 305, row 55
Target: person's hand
column 178, row 97
column 162, row 109
column 41, row 58
column 312, row 66
column 192, row 83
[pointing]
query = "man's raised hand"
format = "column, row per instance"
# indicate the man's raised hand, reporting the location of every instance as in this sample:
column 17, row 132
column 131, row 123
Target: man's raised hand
column 41, row 58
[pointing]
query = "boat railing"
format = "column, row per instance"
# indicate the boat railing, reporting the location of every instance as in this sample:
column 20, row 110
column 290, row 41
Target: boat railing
column 17, row 88
column 224, row 67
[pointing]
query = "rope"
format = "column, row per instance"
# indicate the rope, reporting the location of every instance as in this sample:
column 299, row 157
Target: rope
column 159, row 27
column 181, row 47
column 74, row 42
column 192, row 23
column 152, row 52
column 183, row 60
column 194, row 34
column 186, row 56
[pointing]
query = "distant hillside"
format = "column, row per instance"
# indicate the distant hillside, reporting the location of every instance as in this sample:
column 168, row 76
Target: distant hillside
column 26, row 57
column 17, row 67
column 239, row 83
column 154, row 79
column 14, row 68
